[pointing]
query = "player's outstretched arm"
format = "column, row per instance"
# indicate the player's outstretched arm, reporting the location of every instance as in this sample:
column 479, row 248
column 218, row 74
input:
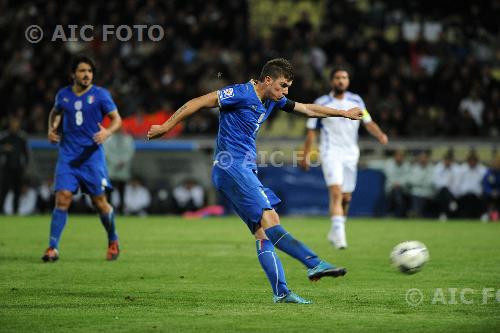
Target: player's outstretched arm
column 310, row 138
column 320, row 111
column 375, row 131
column 206, row 101
column 54, row 122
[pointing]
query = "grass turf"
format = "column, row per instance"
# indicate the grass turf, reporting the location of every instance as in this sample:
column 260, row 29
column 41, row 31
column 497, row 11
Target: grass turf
column 178, row 275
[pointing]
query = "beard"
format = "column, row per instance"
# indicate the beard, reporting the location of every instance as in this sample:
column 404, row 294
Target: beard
column 83, row 84
column 338, row 90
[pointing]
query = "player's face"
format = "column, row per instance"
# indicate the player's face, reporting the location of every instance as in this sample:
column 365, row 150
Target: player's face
column 277, row 88
column 83, row 75
column 340, row 81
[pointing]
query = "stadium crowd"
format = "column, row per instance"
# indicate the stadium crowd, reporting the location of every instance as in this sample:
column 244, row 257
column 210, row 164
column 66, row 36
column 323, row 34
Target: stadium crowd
column 423, row 71
column 446, row 189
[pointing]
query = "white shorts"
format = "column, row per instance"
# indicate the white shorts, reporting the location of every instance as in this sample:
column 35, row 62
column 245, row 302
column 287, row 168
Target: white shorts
column 338, row 172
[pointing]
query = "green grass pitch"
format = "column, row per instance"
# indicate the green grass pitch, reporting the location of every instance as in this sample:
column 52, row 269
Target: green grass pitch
column 202, row 275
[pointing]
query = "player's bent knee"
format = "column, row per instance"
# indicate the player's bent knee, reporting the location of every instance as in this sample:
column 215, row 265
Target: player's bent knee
column 101, row 203
column 260, row 234
column 269, row 218
column 335, row 191
column 63, row 199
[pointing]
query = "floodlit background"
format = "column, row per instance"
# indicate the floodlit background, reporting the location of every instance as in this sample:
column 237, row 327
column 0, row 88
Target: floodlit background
column 429, row 75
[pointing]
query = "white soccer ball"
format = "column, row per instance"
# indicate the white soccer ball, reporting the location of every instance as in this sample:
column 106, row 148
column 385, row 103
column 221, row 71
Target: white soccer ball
column 409, row 257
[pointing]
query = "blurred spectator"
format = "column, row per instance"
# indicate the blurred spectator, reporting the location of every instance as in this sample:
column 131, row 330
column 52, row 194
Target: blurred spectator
column 421, row 185
column 27, row 201
column 396, row 172
column 137, row 198
column 447, row 178
column 14, row 158
column 402, row 48
column 470, row 202
column 474, row 106
column 162, row 202
column 491, row 188
column 188, row 196
column 46, row 196
column 120, row 149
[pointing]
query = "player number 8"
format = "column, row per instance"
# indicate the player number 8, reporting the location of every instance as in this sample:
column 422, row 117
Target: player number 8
column 79, row 117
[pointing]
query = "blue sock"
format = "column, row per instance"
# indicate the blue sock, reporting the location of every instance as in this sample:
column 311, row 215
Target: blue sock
column 286, row 243
column 108, row 221
column 59, row 218
column 271, row 264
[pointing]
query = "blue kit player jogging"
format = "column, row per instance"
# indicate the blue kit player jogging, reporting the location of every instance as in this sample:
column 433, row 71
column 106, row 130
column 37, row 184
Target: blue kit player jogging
column 243, row 108
column 81, row 162
column 75, row 123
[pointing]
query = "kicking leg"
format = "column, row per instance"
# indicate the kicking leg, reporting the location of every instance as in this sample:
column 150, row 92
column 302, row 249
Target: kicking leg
column 285, row 242
column 107, row 217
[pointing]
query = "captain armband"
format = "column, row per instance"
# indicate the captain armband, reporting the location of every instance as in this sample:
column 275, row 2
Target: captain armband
column 289, row 106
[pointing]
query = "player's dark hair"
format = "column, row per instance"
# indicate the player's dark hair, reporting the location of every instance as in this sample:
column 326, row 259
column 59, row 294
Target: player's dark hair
column 82, row 59
column 339, row 69
column 277, row 68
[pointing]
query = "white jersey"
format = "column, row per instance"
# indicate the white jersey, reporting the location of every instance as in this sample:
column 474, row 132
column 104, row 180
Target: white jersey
column 339, row 136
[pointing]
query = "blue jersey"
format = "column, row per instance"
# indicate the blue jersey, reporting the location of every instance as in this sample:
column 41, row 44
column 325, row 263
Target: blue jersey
column 241, row 114
column 491, row 181
column 81, row 116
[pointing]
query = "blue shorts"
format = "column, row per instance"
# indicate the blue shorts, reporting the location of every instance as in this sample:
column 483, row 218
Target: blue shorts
column 91, row 178
column 248, row 197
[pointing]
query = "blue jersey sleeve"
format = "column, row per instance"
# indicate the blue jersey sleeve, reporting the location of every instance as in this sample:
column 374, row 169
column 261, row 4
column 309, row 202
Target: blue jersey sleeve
column 58, row 101
column 107, row 103
column 232, row 96
column 281, row 103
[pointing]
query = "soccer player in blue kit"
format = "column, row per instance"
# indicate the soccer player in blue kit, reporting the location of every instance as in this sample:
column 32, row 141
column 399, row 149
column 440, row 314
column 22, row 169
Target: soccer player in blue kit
column 80, row 109
column 243, row 108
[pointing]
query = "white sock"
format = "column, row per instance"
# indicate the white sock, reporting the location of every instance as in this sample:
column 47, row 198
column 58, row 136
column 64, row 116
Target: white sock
column 337, row 221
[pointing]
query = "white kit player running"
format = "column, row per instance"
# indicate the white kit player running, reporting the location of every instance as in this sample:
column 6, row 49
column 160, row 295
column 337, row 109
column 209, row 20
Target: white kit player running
column 339, row 151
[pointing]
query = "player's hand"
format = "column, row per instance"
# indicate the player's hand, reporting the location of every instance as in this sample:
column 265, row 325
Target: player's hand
column 155, row 131
column 102, row 135
column 383, row 139
column 53, row 136
column 304, row 163
column 354, row 114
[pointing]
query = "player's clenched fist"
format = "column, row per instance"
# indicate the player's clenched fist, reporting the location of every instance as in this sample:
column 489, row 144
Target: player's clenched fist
column 155, row 131
column 53, row 136
column 354, row 113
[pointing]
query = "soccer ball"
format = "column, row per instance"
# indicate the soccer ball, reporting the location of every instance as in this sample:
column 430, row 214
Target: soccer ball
column 409, row 257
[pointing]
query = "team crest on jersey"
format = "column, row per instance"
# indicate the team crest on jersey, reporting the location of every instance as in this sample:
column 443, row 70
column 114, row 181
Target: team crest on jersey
column 90, row 99
column 226, row 93
column 78, row 105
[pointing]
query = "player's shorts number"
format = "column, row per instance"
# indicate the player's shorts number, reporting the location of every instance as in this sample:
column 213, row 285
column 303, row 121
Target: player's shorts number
column 79, row 117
